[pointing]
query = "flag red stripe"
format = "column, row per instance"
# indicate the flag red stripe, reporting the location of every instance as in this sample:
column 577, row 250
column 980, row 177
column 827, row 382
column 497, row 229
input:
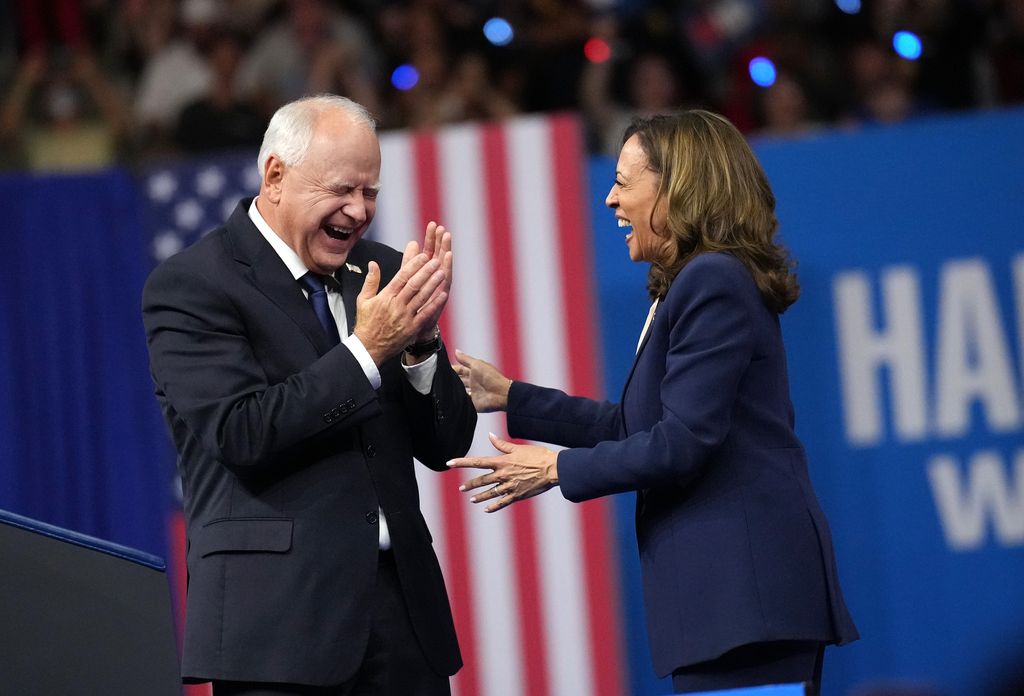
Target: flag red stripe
column 496, row 186
column 177, row 570
column 178, row 574
column 429, row 200
column 577, row 266
column 524, row 532
column 581, row 341
column 459, row 575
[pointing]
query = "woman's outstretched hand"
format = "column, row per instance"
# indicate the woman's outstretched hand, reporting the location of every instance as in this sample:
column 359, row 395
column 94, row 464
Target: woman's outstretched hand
column 487, row 387
column 521, row 472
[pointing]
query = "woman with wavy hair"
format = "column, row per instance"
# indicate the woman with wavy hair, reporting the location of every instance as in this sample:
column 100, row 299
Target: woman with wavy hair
column 739, row 576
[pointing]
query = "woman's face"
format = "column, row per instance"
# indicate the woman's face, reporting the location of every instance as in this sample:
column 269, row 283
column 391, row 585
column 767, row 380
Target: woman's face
column 634, row 198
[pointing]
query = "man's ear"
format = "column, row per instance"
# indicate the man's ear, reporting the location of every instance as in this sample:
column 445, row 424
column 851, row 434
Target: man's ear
column 273, row 178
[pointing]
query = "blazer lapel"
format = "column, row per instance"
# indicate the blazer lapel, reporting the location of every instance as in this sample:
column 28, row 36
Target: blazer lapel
column 274, row 280
column 269, row 274
column 639, row 352
column 351, row 278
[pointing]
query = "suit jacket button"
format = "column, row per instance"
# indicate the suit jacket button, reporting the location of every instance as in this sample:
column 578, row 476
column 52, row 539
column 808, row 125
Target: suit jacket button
column 371, row 518
column 371, row 450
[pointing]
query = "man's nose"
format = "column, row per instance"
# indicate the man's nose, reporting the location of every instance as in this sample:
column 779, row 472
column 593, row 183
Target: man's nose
column 355, row 208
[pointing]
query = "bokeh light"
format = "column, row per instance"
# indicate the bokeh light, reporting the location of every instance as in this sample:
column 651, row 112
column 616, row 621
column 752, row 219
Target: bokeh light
column 907, row 44
column 405, row 77
column 850, row 7
column 498, row 31
column 762, row 71
column 597, row 50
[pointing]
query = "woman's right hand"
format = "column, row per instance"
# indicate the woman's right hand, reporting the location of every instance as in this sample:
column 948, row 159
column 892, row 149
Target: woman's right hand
column 487, row 387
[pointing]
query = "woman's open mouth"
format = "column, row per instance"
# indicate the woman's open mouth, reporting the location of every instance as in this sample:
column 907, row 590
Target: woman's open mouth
column 623, row 222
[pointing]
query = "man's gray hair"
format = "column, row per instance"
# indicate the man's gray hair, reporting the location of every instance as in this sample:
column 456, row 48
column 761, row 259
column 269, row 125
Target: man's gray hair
column 291, row 127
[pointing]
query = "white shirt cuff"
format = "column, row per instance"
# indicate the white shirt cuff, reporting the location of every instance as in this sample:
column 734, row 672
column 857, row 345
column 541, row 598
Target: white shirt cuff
column 353, row 343
column 421, row 375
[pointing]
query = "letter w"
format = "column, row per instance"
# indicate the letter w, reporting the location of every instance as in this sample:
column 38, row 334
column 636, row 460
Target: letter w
column 965, row 507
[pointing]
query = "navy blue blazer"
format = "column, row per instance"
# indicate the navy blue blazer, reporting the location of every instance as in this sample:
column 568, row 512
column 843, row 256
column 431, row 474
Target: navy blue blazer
column 286, row 452
column 734, row 548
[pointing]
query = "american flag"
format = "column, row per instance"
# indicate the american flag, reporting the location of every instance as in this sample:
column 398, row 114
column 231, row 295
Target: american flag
column 533, row 587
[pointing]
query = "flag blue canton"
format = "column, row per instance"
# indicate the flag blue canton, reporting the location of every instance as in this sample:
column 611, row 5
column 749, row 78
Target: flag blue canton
column 186, row 200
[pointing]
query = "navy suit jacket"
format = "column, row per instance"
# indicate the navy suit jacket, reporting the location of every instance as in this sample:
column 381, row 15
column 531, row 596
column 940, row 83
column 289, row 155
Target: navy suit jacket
column 734, row 548
column 285, row 453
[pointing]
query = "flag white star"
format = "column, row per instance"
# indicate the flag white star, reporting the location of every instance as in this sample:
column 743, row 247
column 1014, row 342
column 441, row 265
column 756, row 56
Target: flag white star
column 210, row 182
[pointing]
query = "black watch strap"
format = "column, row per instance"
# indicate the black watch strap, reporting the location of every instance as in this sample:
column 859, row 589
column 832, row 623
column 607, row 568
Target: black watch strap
column 418, row 350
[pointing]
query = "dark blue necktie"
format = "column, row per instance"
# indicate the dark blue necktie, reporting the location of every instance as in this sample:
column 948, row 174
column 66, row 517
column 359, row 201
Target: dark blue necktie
column 314, row 285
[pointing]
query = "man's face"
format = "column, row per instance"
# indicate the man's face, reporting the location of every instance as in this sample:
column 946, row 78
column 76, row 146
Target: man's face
column 325, row 203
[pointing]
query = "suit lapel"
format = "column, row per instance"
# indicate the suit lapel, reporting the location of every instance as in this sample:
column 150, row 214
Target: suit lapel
column 269, row 274
column 351, row 283
column 639, row 353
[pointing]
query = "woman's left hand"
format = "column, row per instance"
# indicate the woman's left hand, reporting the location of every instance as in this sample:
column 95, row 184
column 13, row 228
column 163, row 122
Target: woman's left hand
column 523, row 471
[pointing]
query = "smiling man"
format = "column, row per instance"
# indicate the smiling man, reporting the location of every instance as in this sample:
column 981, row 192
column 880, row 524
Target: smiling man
column 300, row 370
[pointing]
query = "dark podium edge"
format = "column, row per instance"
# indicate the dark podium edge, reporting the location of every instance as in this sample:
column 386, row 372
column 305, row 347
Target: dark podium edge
column 154, row 669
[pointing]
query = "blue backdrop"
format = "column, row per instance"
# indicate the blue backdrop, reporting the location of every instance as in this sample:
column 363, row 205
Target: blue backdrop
column 905, row 357
column 83, row 444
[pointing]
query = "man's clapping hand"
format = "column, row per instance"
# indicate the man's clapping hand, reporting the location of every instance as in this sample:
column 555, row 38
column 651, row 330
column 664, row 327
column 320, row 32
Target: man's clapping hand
column 407, row 309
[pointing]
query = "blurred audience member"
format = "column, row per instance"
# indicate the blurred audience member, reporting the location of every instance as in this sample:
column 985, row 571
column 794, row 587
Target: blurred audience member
column 888, row 102
column 247, row 17
column 784, row 109
column 469, row 94
column 1007, row 53
column 313, row 48
column 62, row 114
column 220, row 120
column 391, row 26
column 650, row 86
column 417, row 106
column 881, row 86
column 950, row 33
column 795, row 50
column 553, row 33
column 417, row 39
column 176, row 71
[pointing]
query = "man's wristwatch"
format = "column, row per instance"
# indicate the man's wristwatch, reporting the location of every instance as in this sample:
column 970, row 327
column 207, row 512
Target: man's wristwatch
column 432, row 345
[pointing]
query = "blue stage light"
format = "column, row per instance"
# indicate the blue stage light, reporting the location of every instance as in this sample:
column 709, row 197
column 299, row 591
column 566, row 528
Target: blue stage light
column 405, row 77
column 850, row 7
column 762, row 72
column 907, row 44
column 498, row 31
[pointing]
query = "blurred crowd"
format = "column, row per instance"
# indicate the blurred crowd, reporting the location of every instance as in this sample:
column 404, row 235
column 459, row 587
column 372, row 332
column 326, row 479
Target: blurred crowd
column 90, row 82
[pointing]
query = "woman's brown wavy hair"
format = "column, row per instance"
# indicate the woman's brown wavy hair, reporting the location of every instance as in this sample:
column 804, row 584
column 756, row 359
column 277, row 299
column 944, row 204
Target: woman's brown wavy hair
column 718, row 199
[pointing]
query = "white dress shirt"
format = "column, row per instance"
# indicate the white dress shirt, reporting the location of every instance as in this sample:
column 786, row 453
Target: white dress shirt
column 420, row 376
column 647, row 324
